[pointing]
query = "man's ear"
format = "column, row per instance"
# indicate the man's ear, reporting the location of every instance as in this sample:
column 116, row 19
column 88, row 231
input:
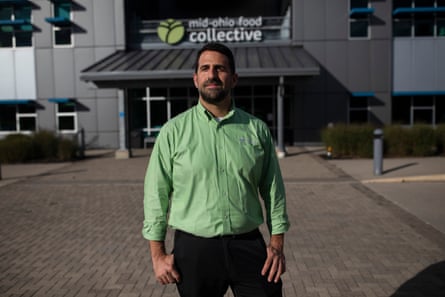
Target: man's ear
column 195, row 80
column 234, row 80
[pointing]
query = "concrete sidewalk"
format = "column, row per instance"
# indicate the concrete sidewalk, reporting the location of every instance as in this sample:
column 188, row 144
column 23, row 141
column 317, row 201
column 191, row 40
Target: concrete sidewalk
column 74, row 229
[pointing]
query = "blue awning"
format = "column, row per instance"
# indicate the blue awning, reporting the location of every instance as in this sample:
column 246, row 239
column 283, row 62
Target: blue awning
column 59, row 21
column 402, row 10
column 361, row 11
column 419, row 93
column 14, row 2
column 59, row 100
column 15, row 101
column 363, row 94
column 13, row 22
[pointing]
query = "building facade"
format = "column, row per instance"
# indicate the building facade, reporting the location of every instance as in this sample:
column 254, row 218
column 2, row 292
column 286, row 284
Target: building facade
column 118, row 70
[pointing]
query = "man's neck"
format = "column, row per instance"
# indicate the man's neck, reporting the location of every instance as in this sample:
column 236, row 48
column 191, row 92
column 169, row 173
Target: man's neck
column 218, row 110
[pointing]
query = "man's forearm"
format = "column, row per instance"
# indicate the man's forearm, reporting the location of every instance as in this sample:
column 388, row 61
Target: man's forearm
column 277, row 242
column 157, row 249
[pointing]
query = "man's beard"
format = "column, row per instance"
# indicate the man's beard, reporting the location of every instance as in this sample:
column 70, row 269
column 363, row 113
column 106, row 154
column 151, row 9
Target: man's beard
column 213, row 96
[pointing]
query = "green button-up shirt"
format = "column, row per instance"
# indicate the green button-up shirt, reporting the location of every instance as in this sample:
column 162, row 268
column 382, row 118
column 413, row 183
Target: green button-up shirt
column 204, row 177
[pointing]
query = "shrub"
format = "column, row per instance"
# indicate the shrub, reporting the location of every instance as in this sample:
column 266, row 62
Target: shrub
column 45, row 145
column 357, row 140
column 41, row 146
column 66, row 150
column 349, row 140
column 16, row 148
column 423, row 140
column 418, row 141
column 440, row 138
column 397, row 141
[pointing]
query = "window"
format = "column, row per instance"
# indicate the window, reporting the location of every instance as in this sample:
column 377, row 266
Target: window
column 419, row 18
column 15, row 26
column 423, row 110
column 358, row 109
column 26, row 117
column 61, row 21
column 66, row 117
column 401, row 110
column 358, row 28
column 18, row 118
column 359, row 18
column 409, row 110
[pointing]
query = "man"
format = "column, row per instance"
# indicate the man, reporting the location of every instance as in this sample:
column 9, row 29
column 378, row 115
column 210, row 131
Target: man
column 206, row 169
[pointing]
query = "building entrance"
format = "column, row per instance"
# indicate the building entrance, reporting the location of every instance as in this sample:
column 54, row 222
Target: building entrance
column 150, row 108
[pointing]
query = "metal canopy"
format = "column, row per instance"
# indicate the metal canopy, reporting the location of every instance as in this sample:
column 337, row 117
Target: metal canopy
column 177, row 63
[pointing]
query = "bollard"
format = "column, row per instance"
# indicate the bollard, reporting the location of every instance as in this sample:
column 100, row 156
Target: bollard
column 378, row 151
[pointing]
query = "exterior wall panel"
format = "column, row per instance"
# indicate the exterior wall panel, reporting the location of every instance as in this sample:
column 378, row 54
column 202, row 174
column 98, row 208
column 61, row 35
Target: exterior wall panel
column 359, row 72
column 380, row 66
column 25, row 73
column 418, row 65
column 104, row 23
column 84, row 22
column 44, row 36
column 336, row 16
column 17, row 72
column 64, row 78
column 84, row 57
column 314, row 26
column 7, row 74
column 338, row 64
column 45, row 73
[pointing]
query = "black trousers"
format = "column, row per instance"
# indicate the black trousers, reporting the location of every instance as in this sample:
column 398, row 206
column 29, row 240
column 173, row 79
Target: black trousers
column 208, row 266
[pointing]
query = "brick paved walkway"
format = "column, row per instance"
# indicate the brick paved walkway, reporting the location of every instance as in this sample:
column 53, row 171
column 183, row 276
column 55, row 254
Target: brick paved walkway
column 76, row 231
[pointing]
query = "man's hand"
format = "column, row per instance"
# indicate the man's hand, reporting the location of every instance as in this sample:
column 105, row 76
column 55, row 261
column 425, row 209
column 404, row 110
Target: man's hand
column 275, row 264
column 163, row 264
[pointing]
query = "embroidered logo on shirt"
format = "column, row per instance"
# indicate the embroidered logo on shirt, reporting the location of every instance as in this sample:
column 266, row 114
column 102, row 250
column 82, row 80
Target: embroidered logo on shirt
column 246, row 140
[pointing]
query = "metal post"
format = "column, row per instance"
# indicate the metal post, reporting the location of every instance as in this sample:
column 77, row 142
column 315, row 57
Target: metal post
column 82, row 143
column 0, row 171
column 378, row 151
column 280, row 124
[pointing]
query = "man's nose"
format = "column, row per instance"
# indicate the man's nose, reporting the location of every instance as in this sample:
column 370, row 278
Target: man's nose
column 212, row 73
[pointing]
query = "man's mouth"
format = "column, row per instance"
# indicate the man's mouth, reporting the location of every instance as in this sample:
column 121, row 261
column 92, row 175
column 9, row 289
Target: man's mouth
column 213, row 84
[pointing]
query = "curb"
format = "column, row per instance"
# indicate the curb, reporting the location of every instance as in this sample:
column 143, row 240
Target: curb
column 408, row 179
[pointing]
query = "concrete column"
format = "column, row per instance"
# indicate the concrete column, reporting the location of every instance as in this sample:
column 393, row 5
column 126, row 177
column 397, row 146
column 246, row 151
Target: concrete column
column 123, row 152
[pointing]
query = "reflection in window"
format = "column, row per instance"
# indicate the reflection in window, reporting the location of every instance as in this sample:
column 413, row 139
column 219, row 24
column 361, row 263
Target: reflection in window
column 18, row 33
column 359, row 23
column 409, row 110
column 358, row 28
column 358, row 109
column 63, row 31
column 18, row 118
column 418, row 23
column 66, row 117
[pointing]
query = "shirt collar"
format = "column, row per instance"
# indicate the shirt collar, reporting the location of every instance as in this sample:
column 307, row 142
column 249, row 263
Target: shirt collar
column 208, row 116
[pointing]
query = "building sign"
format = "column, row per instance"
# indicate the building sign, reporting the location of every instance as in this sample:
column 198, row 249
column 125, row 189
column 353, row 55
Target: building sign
column 226, row 29
column 203, row 30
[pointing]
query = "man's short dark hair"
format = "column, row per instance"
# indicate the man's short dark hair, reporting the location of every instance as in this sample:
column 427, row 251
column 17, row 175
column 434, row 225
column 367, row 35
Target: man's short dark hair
column 220, row 48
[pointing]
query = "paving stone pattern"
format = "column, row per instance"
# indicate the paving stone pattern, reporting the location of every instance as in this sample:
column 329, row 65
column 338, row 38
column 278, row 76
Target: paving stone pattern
column 76, row 231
